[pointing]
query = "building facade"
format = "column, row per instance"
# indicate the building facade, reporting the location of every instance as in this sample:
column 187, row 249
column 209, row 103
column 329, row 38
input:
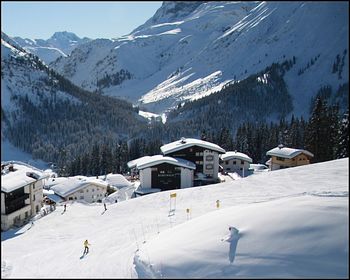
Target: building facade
column 284, row 157
column 21, row 193
column 203, row 154
column 166, row 173
column 236, row 162
column 81, row 188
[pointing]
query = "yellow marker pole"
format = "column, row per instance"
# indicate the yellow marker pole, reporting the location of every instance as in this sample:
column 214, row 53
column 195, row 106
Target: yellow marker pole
column 173, row 195
column 217, row 204
column 188, row 213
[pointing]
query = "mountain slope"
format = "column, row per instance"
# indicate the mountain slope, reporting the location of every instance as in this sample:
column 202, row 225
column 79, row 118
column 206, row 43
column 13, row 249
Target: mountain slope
column 47, row 116
column 59, row 44
column 292, row 223
column 187, row 51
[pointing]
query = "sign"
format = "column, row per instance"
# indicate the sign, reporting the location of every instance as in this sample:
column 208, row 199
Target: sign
column 172, row 195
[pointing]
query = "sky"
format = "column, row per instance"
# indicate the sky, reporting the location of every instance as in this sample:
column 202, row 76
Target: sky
column 289, row 223
column 40, row 20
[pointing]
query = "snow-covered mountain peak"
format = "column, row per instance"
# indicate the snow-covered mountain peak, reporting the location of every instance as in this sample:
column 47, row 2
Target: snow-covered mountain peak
column 64, row 35
column 171, row 11
column 191, row 49
column 59, row 44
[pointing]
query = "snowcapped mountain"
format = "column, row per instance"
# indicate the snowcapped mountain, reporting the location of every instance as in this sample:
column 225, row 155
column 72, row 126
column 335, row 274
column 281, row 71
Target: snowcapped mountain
column 59, row 44
column 290, row 223
column 41, row 111
column 23, row 74
column 188, row 50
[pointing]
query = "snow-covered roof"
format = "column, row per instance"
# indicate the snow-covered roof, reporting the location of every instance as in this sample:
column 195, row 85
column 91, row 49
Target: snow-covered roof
column 286, row 152
column 55, row 198
column 158, row 159
column 74, row 184
column 184, row 143
column 235, row 154
column 143, row 191
column 22, row 175
column 50, row 182
column 133, row 163
column 258, row 166
column 117, row 180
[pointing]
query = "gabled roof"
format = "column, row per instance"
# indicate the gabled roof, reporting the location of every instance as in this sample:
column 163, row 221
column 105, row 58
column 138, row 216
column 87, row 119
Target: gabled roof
column 74, row 184
column 117, row 180
column 133, row 163
column 189, row 142
column 159, row 159
column 286, row 152
column 236, row 155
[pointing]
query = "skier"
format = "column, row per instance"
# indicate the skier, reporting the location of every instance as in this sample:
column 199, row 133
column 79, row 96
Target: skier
column 104, row 204
column 65, row 206
column 86, row 246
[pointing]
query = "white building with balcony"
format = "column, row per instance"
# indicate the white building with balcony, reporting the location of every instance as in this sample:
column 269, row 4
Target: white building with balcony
column 21, row 193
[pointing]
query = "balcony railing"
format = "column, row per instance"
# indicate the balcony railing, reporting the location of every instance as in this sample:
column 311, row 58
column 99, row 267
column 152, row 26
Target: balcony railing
column 16, row 204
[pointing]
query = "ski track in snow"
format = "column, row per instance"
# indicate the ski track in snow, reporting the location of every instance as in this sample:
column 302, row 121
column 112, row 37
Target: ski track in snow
column 6, row 269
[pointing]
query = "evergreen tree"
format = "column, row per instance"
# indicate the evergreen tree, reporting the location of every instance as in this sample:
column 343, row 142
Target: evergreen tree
column 319, row 135
column 95, row 160
column 342, row 149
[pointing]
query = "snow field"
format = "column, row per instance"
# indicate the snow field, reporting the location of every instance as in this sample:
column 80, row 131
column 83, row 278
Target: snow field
column 291, row 223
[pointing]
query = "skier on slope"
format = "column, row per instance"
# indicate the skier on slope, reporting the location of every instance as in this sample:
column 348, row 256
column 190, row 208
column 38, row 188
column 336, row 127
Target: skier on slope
column 86, row 246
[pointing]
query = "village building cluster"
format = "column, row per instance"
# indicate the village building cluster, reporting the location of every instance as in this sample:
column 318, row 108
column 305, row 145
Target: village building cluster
column 184, row 163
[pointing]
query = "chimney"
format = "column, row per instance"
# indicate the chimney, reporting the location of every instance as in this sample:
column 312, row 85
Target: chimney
column 183, row 140
column 280, row 146
column 11, row 169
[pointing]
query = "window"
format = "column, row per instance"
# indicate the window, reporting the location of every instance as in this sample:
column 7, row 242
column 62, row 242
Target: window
column 209, row 167
column 242, row 162
column 279, row 158
column 81, row 191
column 234, row 162
column 87, row 190
column 209, row 158
column 241, row 169
column 93, row 190
column 37, row 208
column 70, row 198
column 26, row 214
column 33, row 186
column 228, row 168
column 33, row 197
column 81, row 197
column 226, row 162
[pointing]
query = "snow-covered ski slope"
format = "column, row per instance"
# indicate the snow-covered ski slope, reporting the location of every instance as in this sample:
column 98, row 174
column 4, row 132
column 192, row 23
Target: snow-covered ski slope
column 291, row 223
